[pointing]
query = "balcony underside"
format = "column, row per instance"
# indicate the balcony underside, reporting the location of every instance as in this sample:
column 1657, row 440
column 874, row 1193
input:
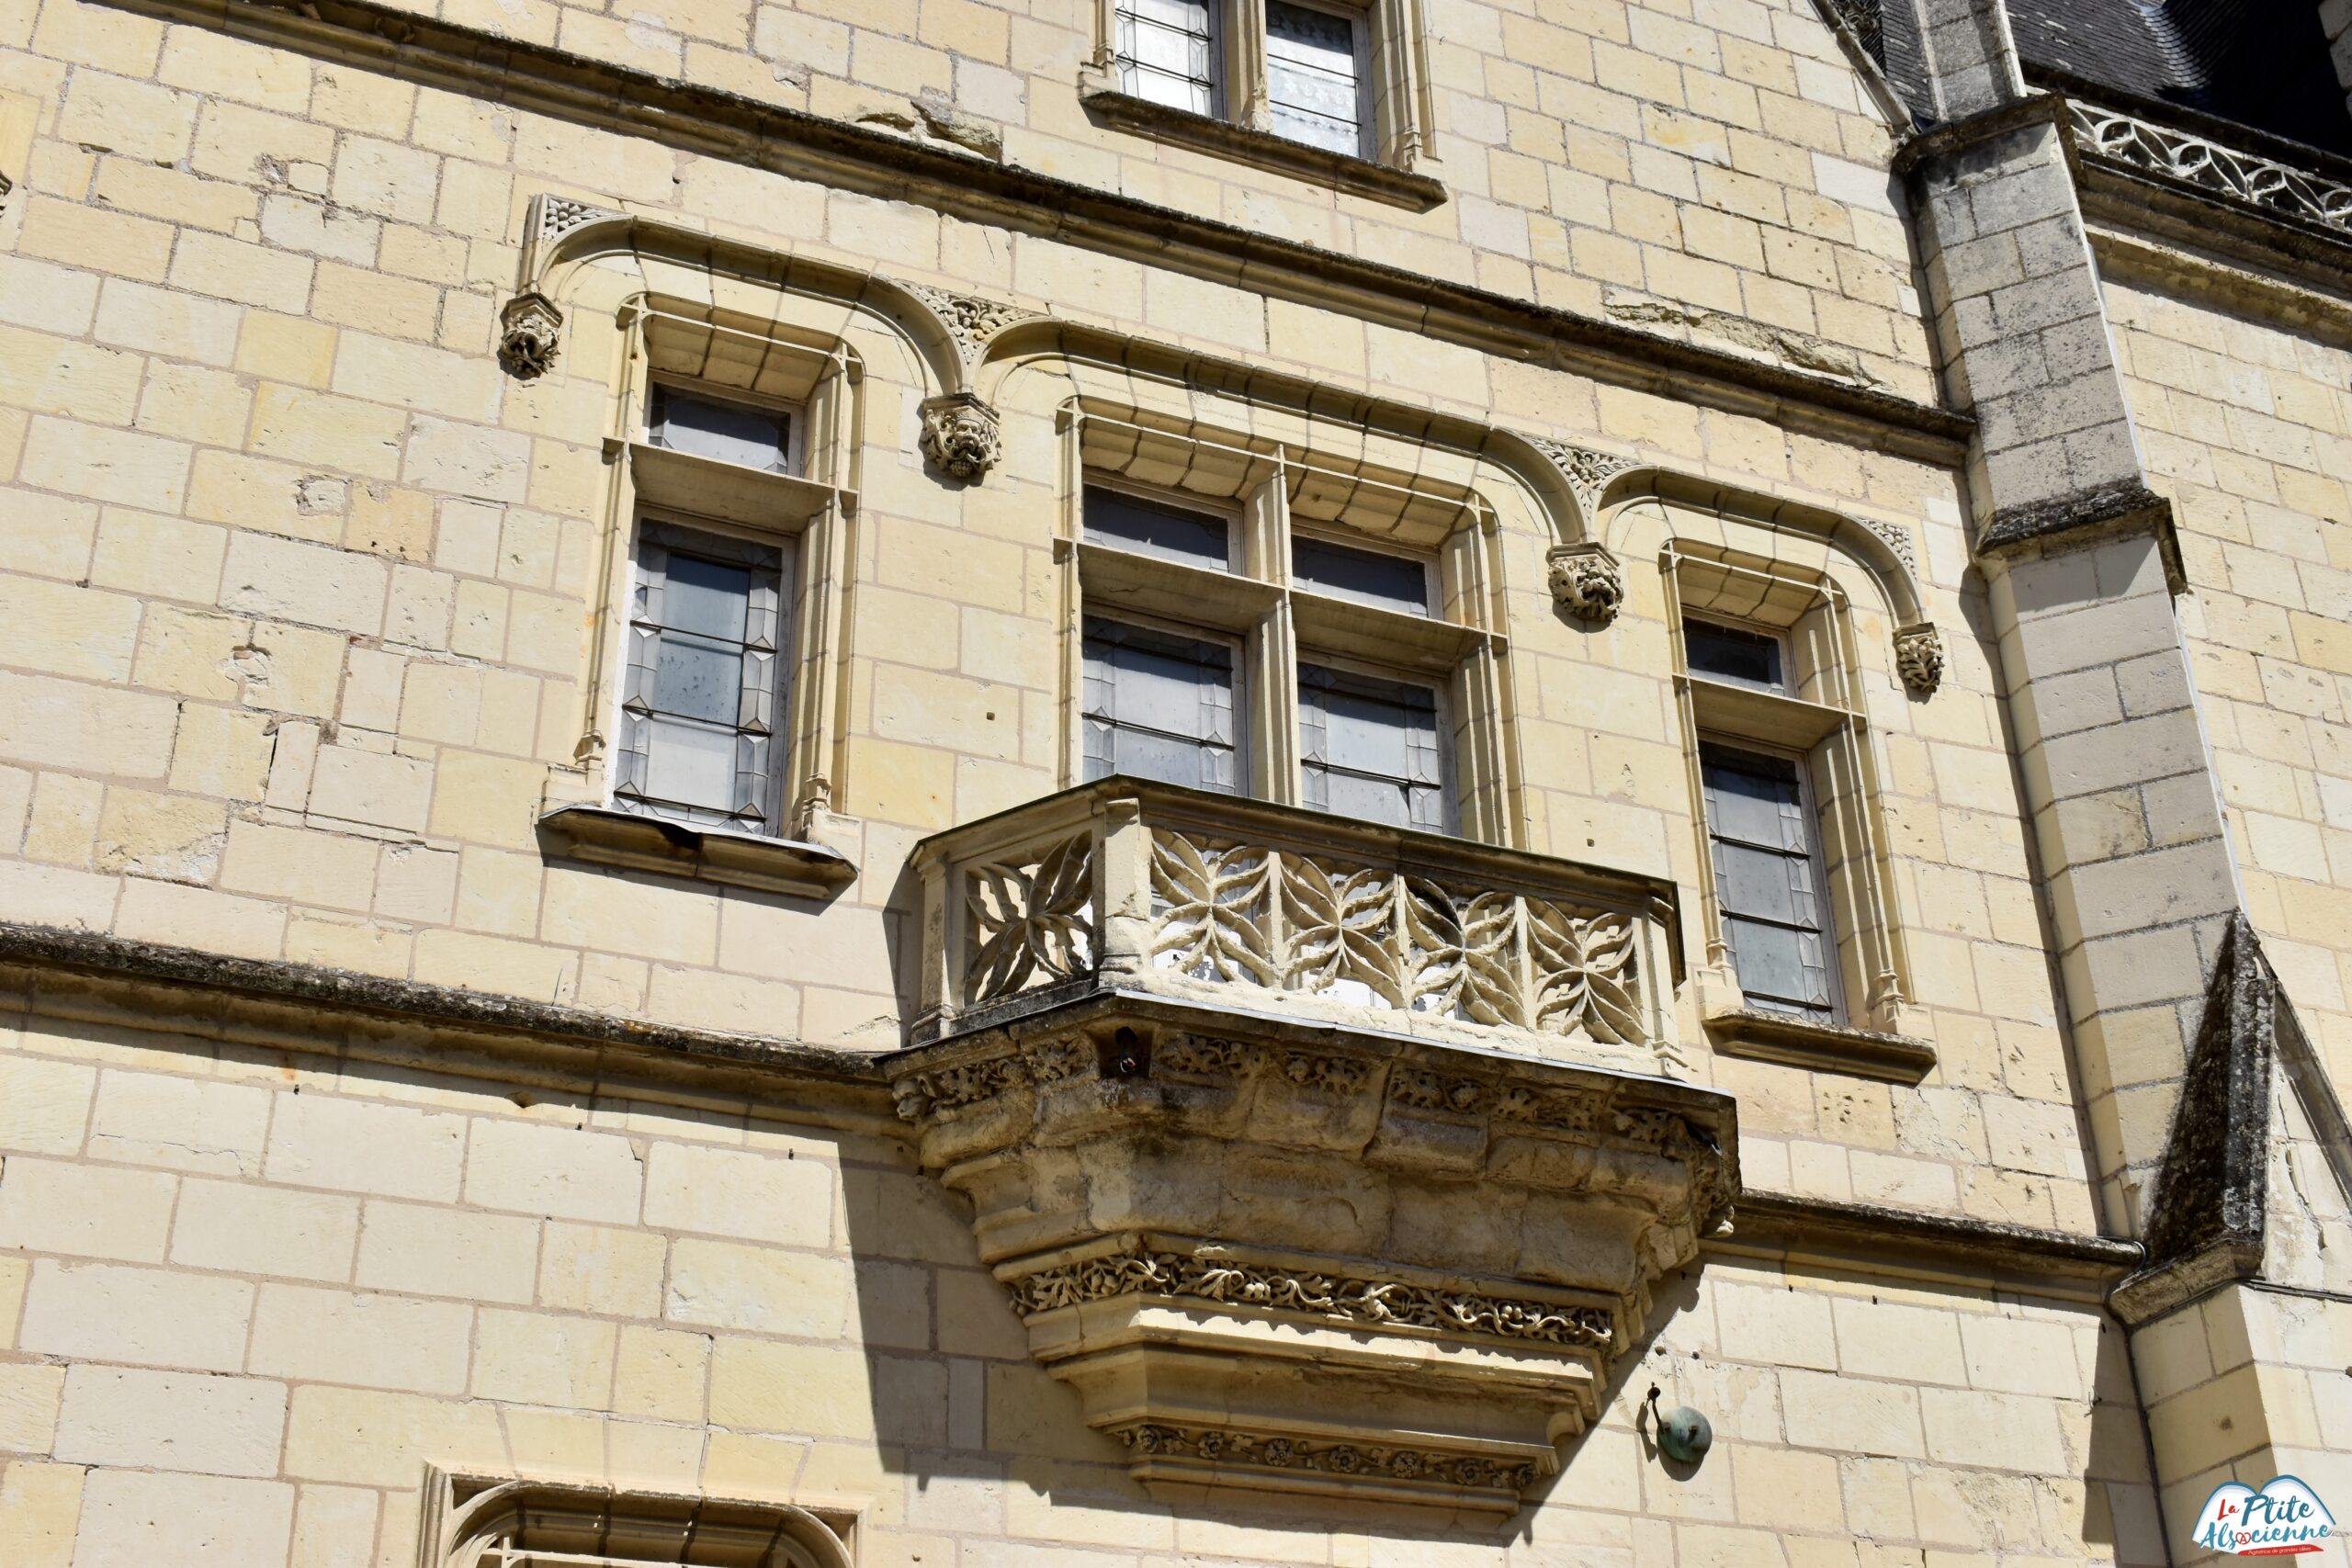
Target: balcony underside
column 1279, row 1255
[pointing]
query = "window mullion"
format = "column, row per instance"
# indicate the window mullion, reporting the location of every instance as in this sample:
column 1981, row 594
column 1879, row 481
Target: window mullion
column 1245, row 64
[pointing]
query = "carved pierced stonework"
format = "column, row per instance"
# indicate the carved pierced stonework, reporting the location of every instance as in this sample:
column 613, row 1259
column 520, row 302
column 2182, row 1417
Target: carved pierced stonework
column 529, row 329
column 960, row 433
column 2112, row 136
column 1919, row 659
column 1586, row 581
column 1032, row 920
column 1230, row 912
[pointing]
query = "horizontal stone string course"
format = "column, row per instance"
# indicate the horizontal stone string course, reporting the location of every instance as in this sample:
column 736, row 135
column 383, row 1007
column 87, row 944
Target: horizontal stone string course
column 1374, row 1302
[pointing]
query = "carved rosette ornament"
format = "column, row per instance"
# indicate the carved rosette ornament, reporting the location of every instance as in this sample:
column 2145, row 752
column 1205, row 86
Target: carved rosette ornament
column 529, row 329
column 1919, row 659
column 1586, row 471
column 1285, row 1257
column 1586, row 581
column 960, row 434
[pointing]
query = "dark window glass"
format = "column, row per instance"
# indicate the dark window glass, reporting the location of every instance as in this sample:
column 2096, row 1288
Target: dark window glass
column 1150, row 528
column 713, row 427
column 1728, row 653
column 1367, row 576
column 1159, row 706
column 1767, row 879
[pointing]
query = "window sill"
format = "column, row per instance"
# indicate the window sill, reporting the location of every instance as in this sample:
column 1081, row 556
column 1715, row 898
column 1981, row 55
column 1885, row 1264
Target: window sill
column 1357, row 176
column 602, row 835
column 1820, row 1047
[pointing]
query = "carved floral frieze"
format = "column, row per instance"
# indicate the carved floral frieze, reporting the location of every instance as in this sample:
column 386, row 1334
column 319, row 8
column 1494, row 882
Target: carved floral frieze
column 1242, row 1283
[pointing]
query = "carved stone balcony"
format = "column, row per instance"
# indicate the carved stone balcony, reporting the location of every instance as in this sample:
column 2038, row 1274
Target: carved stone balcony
column 1319, row 1158
column 1241, row 906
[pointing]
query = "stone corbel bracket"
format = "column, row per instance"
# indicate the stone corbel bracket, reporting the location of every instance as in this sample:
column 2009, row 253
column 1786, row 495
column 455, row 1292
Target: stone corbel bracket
column 1272, row 1256
column 951, row 332
column 961, row 434
column 1587, row 580
column 1919, row 657
column 530, row 324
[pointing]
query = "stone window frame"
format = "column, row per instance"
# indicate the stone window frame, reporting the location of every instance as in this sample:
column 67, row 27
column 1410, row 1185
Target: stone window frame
column 1822, row 719
column 474, row 1521
column 1457, row 650
column 807, row 513
column 1401, row 164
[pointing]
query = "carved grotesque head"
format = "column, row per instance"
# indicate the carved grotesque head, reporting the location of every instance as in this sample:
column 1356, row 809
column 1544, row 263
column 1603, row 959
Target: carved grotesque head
column 959, row 433
column 1586, row 582
column 528, row 331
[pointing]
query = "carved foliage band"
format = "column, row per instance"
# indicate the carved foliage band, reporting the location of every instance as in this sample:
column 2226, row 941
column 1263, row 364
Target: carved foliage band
column 1364, row 1302
column 1031, row 922
column 1241, row 914
column 1220, row 1446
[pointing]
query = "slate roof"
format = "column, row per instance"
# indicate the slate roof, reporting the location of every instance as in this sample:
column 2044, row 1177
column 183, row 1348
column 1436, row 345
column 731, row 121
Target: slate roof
column 2262, row 63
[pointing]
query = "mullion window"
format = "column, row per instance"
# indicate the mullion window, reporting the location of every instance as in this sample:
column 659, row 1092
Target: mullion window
column 1764, row 846
column 700, row 703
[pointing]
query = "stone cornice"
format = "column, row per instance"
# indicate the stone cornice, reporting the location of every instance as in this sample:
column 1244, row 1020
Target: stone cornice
column 309, row 1007
column 545, row 80
column 1785, row 1223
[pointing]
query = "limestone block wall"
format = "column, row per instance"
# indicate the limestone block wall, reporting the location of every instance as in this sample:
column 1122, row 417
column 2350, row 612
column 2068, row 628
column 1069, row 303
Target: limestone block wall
column 247, row 1292
column 293, row 611
column 2247, row 426
column 1716, row 170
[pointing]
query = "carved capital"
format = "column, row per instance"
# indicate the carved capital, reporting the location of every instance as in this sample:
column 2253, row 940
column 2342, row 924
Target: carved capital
column 529, row 329
column 1919, row 659
column 961, row 435
column 1586, row 581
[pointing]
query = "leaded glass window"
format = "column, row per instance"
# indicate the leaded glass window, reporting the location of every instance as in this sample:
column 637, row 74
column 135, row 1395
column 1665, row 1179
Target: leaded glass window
column 1762, row 838
column 1369, row 747
column 1159, row 706
column 1168, row 52
column 700, row 709
column 1314, row 77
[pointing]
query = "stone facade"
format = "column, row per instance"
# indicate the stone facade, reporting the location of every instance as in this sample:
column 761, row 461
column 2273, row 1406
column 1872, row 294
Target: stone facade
column 386, row 1118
